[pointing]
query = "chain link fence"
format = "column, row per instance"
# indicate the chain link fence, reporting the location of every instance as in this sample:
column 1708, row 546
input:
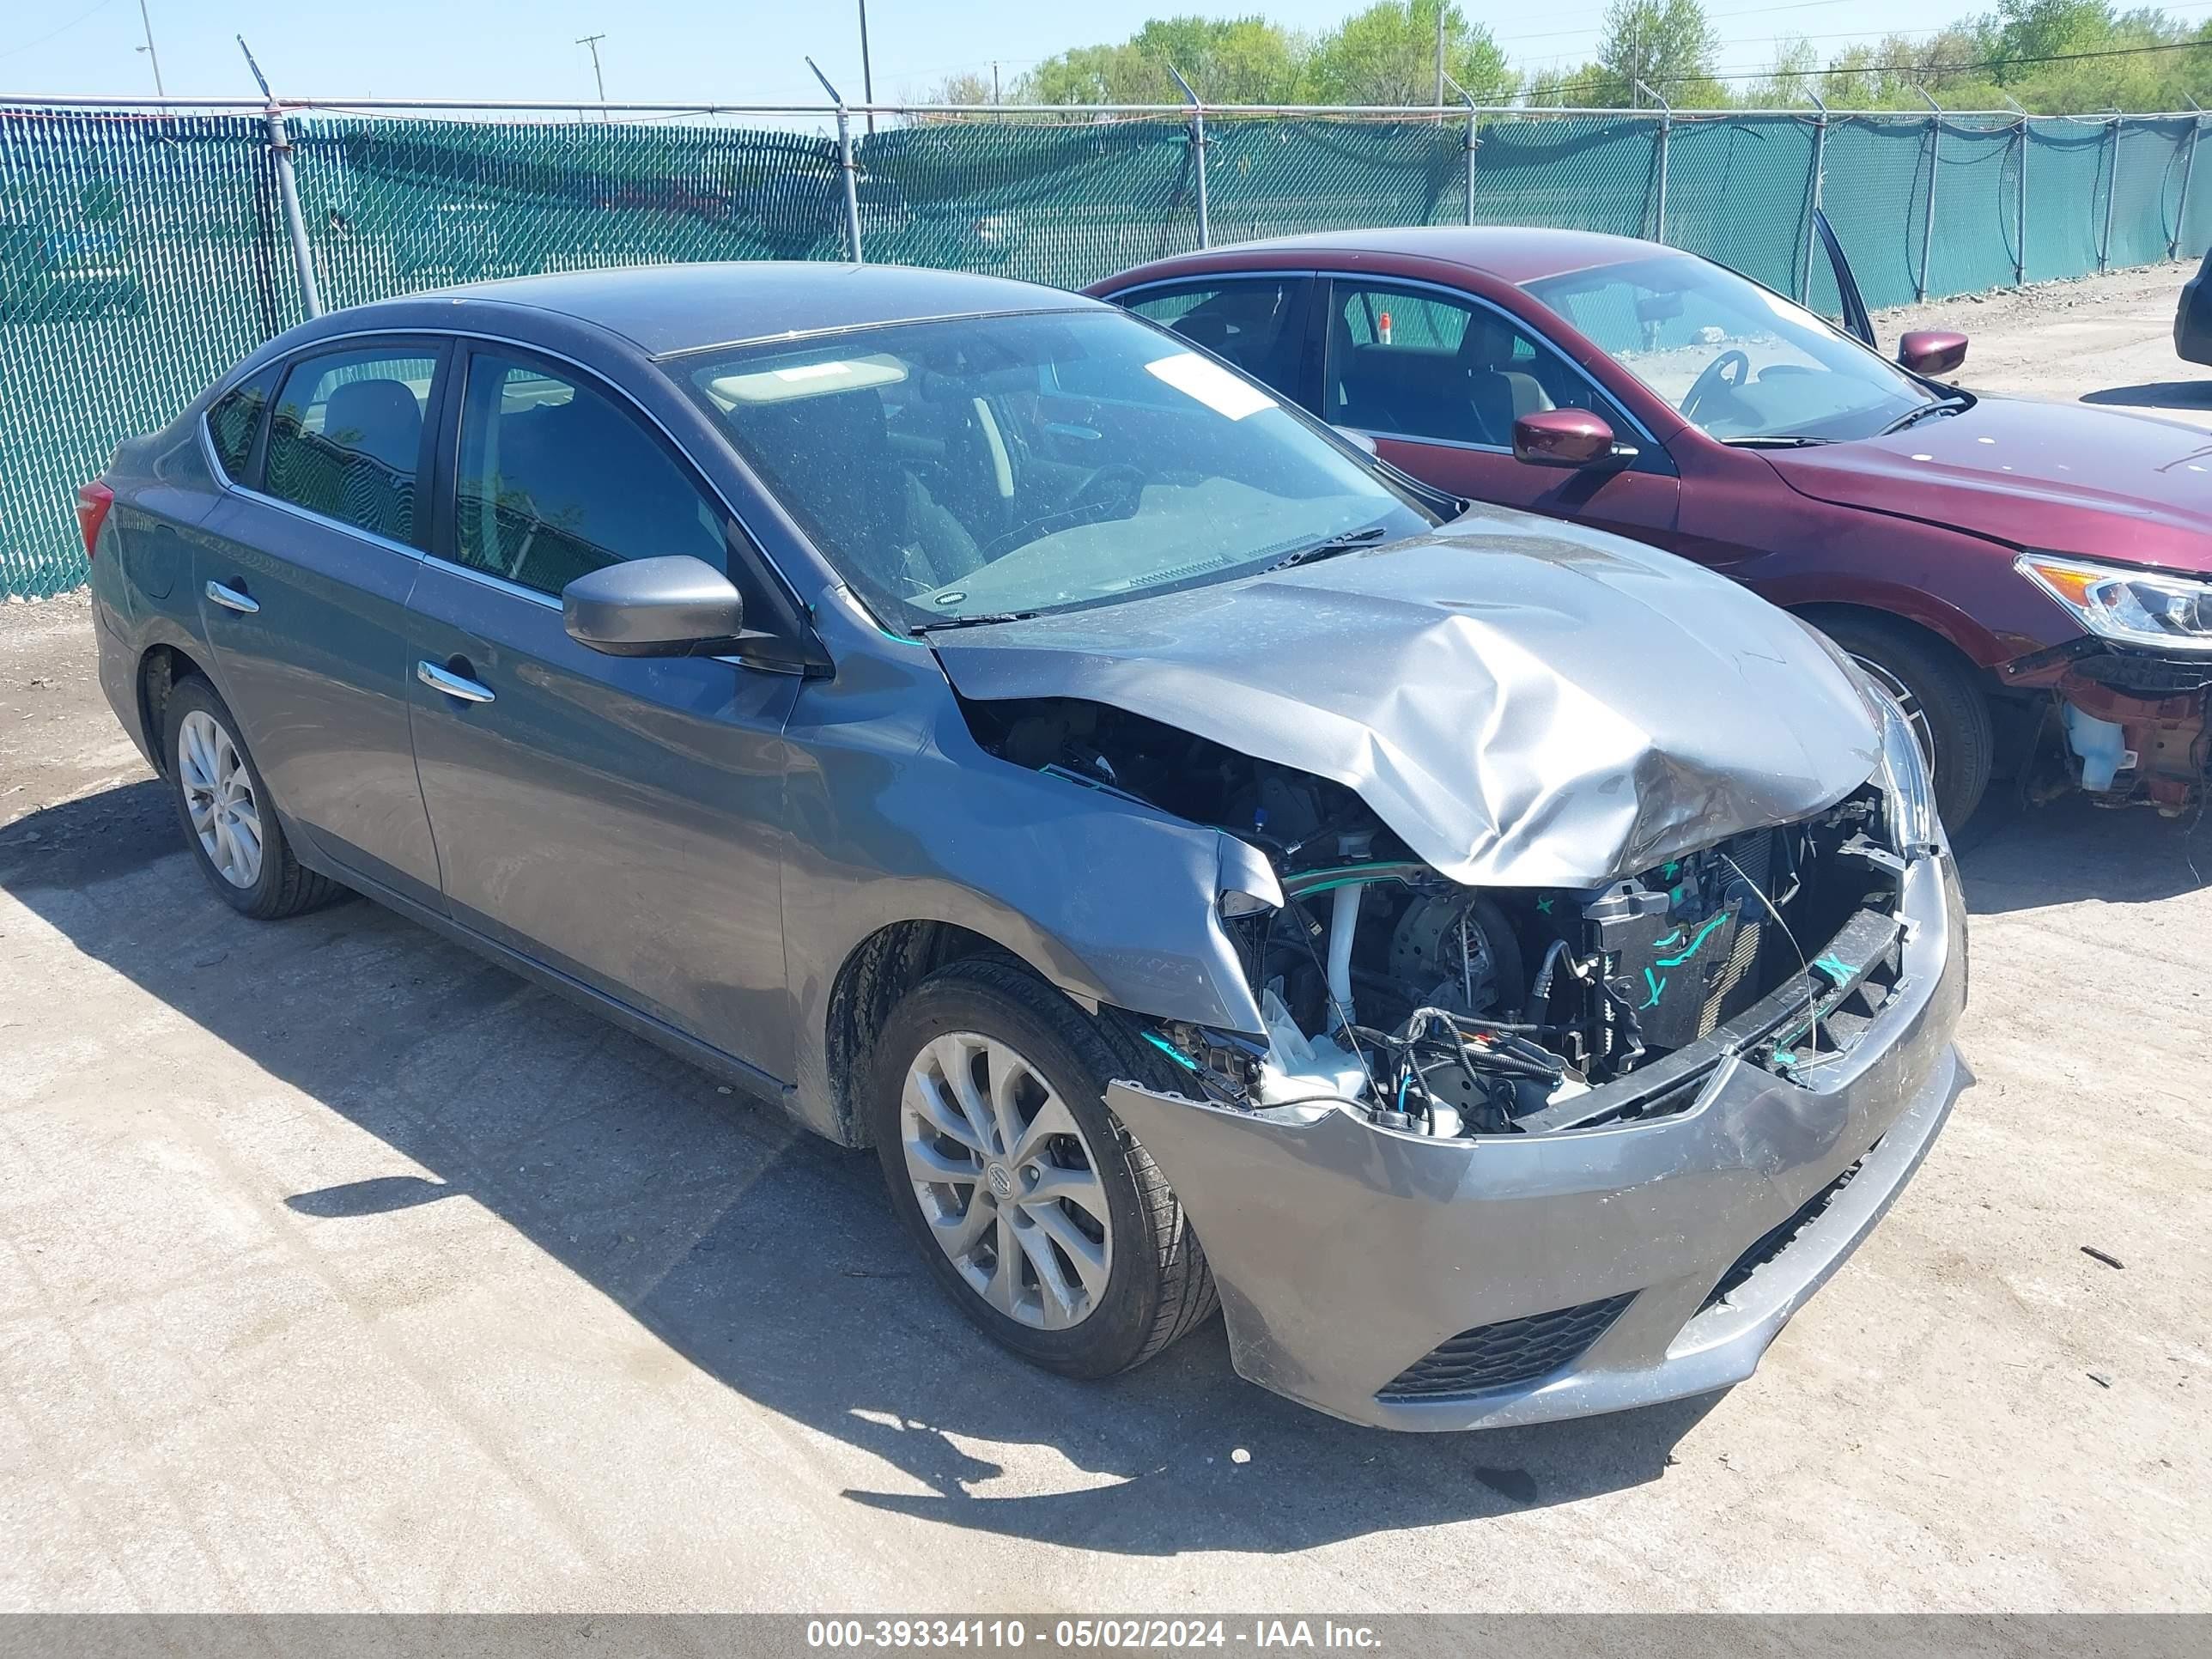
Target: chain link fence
column 142, row 251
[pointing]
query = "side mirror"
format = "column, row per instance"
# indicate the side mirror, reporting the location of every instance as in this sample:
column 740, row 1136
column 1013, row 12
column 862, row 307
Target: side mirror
column 1932, row 351
column 671, row 607
column 1357, row 439
column 1565, row 437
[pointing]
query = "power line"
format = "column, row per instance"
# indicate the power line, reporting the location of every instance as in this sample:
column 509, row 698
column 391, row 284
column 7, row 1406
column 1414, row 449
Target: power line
column 1901, row 69
column 52, row 35
column 1805, row 5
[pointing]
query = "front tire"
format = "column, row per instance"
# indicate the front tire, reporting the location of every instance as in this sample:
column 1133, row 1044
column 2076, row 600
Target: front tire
column 1942, row 696
column 1045, row 1222
column 223, row 808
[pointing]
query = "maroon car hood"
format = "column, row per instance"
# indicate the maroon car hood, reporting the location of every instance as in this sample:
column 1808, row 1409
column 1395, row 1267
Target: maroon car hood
column 2091, row 482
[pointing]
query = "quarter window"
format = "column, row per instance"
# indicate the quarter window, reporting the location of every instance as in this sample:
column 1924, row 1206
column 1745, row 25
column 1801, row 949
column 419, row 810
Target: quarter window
column 233, row 422
column 557, row 481
column 1420, row 365
column 346, row 439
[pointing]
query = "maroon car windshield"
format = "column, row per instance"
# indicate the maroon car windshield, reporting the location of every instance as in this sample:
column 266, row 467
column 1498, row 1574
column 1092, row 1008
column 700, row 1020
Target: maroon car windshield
column 1736, row 360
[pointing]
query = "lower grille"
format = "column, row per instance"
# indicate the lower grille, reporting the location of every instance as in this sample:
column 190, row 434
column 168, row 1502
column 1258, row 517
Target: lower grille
column 1512, row 1351
column 1775, row 1240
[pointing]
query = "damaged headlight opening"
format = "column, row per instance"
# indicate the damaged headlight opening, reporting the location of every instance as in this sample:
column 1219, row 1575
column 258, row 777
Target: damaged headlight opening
column 1445, row 1010
column 2147, row 607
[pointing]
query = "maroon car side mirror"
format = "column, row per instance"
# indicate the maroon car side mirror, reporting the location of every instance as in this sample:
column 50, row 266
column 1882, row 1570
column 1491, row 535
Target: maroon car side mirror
column 1564, row 437
column 1932, row 351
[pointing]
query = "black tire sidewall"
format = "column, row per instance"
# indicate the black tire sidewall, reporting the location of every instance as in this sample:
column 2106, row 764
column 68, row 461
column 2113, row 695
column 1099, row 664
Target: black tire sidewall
column 263, row 897
column 1958, row 716
column 1074, row 1058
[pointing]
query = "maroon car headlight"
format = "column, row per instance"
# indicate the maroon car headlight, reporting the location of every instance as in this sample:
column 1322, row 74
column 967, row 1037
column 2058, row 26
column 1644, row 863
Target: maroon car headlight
column 2150, row 608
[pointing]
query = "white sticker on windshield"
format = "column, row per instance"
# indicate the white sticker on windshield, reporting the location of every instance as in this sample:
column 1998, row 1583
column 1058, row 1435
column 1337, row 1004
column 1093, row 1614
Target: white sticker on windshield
column 1211, row 385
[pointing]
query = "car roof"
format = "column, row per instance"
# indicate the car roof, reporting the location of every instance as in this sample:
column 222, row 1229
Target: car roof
column 1511, row 253
column 671, row 308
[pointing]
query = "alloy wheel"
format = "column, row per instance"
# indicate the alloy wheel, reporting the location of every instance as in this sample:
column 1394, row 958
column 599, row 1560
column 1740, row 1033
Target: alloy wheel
column 1916, row 716
column 220, row 799
column 1007, row 1183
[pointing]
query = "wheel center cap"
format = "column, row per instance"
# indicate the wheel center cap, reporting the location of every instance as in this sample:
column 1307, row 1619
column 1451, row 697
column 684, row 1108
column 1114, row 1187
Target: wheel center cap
column 1001, row 1180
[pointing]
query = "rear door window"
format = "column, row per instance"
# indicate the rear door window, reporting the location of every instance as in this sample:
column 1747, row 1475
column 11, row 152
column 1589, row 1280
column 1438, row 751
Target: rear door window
column 1257, row 323
column 346, row 439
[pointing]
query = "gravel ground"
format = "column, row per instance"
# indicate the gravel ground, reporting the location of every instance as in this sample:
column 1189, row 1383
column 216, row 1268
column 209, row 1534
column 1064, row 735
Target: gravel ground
column 339, row 1270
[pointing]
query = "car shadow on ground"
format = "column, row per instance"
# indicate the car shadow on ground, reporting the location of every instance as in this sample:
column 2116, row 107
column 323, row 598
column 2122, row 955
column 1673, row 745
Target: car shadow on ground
column 2017, row 857
column 762, row 1255
column 2157, row 394
column 770, row 1259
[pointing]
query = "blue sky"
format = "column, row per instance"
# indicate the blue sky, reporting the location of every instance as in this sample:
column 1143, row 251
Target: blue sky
column 659, row 51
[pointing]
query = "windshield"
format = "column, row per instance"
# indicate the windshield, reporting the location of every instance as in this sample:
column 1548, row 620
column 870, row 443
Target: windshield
column 1738, row 361
column 982, row 465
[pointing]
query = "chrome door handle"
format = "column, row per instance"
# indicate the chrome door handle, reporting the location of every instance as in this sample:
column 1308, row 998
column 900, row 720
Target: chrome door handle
column 454, row 685
column 231, row 600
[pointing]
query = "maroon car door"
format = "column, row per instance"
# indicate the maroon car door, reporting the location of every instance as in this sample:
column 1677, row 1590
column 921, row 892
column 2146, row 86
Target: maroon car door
column 1437, row 377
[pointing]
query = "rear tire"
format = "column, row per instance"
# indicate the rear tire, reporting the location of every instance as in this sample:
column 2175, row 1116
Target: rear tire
column 1942, row 697
column 1086, row 1285
column 230, row 824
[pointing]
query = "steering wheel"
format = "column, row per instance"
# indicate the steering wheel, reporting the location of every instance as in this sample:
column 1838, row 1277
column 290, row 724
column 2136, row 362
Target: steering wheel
column 1113, row 491
column 1716, row 379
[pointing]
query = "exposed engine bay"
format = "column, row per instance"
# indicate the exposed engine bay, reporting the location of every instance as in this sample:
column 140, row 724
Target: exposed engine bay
column 1449, row 1010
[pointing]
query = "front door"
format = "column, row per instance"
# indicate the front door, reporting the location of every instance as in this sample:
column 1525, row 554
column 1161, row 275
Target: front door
column 304, row 575
column 619, row 819
column 1438, row 380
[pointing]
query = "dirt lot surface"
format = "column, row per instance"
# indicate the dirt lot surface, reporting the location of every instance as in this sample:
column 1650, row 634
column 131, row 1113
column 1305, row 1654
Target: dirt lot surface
column 339, row 1270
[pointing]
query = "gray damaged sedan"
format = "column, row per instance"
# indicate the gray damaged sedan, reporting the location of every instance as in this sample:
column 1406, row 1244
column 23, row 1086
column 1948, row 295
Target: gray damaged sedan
column 1505, row 968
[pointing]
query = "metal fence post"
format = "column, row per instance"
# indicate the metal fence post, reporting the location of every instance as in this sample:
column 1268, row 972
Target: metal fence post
column 1935, row 162
column 845, row 165
column 1665, row 125
column 1474, row 142
column 1198, row 147
column 1812, row 226
column 288, row 191
column 2111, row 190
column 2019, row 241
column 2188, row 173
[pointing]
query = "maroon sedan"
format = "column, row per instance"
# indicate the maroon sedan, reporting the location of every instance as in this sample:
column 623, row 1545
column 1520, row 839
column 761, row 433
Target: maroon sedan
column 2029, row 578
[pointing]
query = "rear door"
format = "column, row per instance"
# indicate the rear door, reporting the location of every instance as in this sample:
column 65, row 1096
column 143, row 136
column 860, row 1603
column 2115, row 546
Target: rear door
column 619, row 819
column 305, row 570
column 1258, row 322
column 1437, row 377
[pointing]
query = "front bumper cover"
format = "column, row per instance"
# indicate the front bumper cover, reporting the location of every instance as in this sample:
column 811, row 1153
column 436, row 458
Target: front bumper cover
column 1345, row 1252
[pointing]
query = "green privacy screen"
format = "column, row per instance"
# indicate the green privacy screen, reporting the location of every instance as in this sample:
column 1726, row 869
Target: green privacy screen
column 141, row 254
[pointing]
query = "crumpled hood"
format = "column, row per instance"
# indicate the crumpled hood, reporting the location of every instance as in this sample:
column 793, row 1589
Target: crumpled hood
column 2098, row 483
column 1524, row 702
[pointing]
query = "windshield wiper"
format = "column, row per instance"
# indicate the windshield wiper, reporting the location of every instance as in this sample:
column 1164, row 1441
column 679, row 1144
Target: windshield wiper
column 1950, row 405
column 981, row 618
column 1774, row 441
column 1333, row 545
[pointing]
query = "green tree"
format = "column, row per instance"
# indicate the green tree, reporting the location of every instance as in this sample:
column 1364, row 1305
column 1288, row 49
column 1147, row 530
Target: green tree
column 1668, row 45
column 1796, row 66
column 1386, row 54
column 1238, row 60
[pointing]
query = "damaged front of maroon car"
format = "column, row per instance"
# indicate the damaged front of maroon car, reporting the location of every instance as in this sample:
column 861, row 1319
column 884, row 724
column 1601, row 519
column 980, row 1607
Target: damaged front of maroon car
column 2128, row 694
column 2066, row 553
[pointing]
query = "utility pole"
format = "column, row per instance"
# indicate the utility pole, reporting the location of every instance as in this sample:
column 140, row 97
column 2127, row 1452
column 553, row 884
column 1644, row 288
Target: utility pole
column 867, row 74
column 152, row 57
column 597, row 79
column 994, row 82
column 1440, row 54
